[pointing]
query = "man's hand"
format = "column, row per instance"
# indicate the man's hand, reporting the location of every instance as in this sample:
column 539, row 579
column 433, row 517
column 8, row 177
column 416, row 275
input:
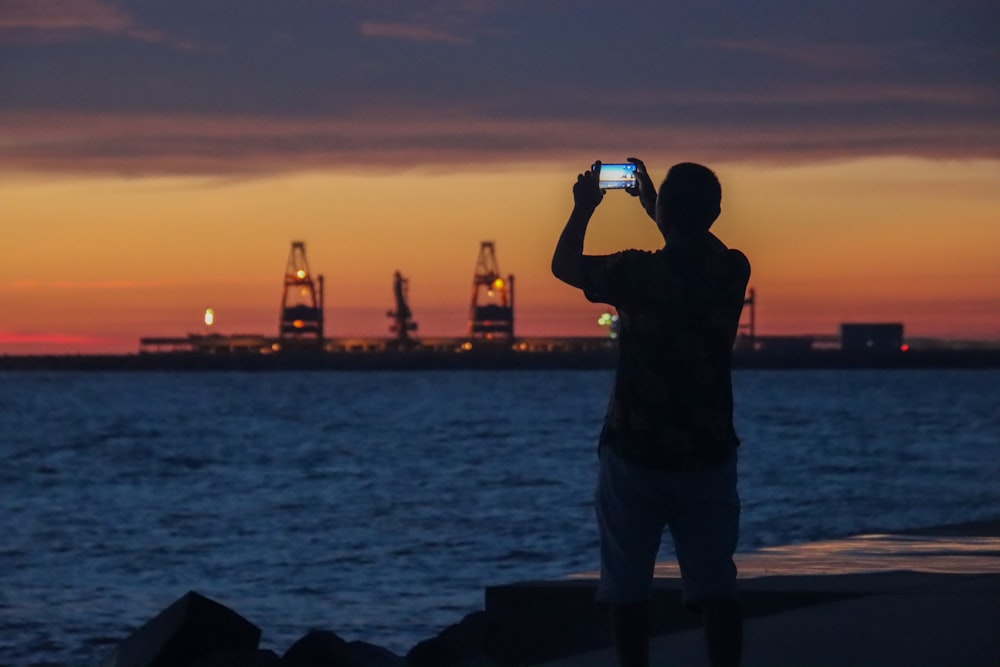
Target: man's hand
column 587, row 194
column 645, row 190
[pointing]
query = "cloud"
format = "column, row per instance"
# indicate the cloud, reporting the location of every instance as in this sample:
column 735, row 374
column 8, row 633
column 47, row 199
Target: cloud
column 62, row 15
column 416, row 33
column 844, row 55
column 311, row 85
column 432, row 21
column 70, row 20
column 203, row 144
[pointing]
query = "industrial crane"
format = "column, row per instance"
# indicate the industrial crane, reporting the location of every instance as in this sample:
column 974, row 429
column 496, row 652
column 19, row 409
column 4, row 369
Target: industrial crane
column 402, row 316
column 301, row 301
column 491, row 315
column 747, row 331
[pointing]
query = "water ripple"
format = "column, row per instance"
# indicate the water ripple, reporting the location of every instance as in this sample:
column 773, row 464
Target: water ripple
column 383, row 505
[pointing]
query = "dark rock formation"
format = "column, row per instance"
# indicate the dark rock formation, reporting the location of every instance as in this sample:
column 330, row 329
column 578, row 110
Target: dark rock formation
column 323, row 648
column 459, row 645
column 190, row 629
column 195, row 631
column 244, row 658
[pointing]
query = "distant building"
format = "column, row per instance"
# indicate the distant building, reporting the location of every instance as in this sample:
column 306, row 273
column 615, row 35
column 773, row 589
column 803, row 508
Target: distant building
column 871, row 337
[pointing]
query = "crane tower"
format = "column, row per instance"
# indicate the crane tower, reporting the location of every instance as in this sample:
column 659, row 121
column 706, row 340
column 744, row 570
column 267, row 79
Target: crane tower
column 491, row 315
column 748, row 328
column 301, row 301
column 402, row 317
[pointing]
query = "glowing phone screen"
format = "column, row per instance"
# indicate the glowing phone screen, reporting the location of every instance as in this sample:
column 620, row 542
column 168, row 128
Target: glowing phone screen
column 617, row 176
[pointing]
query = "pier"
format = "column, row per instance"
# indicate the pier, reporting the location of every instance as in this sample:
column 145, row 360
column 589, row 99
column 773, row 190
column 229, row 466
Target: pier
column 924, row 598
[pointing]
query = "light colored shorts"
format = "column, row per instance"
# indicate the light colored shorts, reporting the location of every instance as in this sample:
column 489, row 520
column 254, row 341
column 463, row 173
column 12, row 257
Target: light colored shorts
column 636, row 504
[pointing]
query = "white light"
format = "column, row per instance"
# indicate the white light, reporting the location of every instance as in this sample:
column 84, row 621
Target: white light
column 209, row 317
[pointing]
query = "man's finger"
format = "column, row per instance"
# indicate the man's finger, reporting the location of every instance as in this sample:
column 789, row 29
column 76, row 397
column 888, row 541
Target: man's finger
column 640, row 166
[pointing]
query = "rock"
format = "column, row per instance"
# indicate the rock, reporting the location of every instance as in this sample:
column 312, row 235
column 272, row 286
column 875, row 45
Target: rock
column 191, row 628
column 323, row 648
column 369, row 655
column 317, row 648
column 242, row 658
column 459, row 645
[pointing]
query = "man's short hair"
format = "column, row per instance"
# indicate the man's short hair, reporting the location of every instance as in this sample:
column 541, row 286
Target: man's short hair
column 690, row 197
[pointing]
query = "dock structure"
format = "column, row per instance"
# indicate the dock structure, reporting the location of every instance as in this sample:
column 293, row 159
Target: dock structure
column 923, row 598
column 250, row 352
column 490, row 342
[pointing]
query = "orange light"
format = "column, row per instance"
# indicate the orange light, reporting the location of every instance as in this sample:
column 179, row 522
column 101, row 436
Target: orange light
column 298, row 324
column 498, row 283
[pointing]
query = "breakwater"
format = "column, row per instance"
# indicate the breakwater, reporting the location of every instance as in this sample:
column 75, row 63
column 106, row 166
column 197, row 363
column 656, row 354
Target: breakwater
column 485, row 359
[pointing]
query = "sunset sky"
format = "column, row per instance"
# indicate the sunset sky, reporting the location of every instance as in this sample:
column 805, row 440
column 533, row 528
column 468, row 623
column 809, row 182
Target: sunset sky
column 159, row 158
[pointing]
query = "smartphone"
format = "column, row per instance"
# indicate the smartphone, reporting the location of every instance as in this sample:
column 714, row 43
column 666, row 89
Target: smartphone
column 612, row 176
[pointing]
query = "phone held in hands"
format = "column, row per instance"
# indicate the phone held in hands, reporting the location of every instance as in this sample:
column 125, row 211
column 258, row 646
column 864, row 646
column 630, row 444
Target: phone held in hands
column 616, row 176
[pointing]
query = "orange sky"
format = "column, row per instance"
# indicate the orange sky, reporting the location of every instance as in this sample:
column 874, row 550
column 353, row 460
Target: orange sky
column 93, row 264
column 157, row 159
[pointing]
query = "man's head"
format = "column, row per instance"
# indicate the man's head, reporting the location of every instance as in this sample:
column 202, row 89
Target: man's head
column 689, row 200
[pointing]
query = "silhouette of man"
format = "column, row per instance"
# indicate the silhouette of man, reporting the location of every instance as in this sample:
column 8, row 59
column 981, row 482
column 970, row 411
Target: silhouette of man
column 667, row 448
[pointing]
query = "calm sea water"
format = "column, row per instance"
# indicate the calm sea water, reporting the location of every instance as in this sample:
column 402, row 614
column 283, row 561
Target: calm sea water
column 379, row 505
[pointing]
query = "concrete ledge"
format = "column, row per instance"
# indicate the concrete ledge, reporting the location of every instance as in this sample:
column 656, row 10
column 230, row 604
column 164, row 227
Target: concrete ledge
column 935, row 630
column 886, row 599
column 532, row 622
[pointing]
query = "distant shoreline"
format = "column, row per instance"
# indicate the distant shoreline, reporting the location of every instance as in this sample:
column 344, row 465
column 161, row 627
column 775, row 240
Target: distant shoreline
column 493, row 360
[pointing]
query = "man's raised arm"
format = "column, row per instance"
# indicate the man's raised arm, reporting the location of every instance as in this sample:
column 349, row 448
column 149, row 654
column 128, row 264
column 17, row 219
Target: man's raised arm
column 567, row 261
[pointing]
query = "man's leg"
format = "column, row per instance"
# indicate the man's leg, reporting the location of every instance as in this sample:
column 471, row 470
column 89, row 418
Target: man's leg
column 705, row 532
column 723, row 621
column 630, row 525
column 630, row 632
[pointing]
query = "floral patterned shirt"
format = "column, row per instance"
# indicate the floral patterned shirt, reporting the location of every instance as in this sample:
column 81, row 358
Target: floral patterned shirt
column 679, row 311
